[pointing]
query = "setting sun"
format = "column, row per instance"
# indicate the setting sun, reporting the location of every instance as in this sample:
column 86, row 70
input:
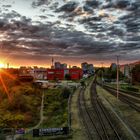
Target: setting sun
column 1, row 65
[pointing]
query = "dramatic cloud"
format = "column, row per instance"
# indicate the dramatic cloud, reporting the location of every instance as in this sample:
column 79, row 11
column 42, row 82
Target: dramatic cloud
column 91, row 29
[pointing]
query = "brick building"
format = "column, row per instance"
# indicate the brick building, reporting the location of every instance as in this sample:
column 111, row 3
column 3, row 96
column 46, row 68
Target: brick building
column 59, row 74
column 75, row 74
column 55, row 74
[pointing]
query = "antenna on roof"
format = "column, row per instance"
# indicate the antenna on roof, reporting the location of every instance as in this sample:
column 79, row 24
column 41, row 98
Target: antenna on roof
column 7, row 65
column 52, row 62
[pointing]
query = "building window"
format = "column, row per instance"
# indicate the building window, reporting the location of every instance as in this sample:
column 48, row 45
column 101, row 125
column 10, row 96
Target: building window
column 51, row 72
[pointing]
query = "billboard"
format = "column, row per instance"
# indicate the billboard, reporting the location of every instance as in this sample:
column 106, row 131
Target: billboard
column 50, row 131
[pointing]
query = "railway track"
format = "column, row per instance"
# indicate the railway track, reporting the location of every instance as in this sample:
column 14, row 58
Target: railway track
column 127, row 93
column 96, row 121
column 132, row 102
column 87, row 118
column 103, row 117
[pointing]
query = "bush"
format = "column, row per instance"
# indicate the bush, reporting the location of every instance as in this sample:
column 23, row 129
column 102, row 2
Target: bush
column 65, row 93
column 55, row 108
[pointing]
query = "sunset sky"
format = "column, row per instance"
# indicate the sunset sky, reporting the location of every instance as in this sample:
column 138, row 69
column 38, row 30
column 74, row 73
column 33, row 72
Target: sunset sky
column 34, row 31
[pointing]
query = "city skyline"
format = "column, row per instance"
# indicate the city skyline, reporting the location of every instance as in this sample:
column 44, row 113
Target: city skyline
column 34, row 31
column 101, row 64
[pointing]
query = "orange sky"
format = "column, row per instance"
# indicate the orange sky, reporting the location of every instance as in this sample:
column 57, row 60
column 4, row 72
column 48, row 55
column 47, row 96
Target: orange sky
column 17, row 63
column 14, row 62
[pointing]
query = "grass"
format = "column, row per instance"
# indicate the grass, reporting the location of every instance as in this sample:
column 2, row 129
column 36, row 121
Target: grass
column 55, row 109
column 30, row 137
column 137, row 86
column 87, row 91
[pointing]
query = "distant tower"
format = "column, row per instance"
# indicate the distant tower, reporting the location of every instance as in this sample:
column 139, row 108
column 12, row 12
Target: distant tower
column 52, row 62
column 7, row 65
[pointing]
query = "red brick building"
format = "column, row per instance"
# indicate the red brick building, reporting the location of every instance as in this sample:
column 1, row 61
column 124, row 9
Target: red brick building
column 59, row 74
column 55, row 74
column 75, row 73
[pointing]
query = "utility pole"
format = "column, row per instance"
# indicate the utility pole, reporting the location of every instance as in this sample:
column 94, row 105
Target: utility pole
column 117, row 77
column 102, row 73
column 131, row 75
column 7, row 65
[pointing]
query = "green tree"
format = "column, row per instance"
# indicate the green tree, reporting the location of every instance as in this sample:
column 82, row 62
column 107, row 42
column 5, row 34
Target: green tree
column 112, row 74
column 65, row 93
column 136, row 73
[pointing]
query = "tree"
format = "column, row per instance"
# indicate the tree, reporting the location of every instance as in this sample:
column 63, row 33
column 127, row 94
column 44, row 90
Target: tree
column 82, row 82
column 136, row 73
column 65, row 93
column 112, row 74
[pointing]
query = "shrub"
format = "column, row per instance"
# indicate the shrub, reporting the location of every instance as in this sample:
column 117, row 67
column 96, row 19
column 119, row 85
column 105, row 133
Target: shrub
column 65, row 93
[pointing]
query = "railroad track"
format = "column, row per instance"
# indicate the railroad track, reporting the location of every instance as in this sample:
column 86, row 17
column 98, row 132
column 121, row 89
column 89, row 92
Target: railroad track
column 132, row 102
column 133, row 94
column 96, row 120
column 88, row 118
column 103, row 118
column 133, row 98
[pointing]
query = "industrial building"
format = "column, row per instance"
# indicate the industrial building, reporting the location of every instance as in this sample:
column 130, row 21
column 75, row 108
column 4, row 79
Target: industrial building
column 55, row 74
column 59, row 74
column 75, row 73
column 87, row 68
column 58, row 65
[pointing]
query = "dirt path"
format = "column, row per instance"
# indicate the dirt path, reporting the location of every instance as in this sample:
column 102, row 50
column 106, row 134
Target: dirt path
column 77, row 128
column 41, row 113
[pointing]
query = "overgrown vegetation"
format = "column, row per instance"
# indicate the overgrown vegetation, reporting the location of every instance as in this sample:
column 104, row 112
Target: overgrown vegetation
column 55, row 107
column 19, row 104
